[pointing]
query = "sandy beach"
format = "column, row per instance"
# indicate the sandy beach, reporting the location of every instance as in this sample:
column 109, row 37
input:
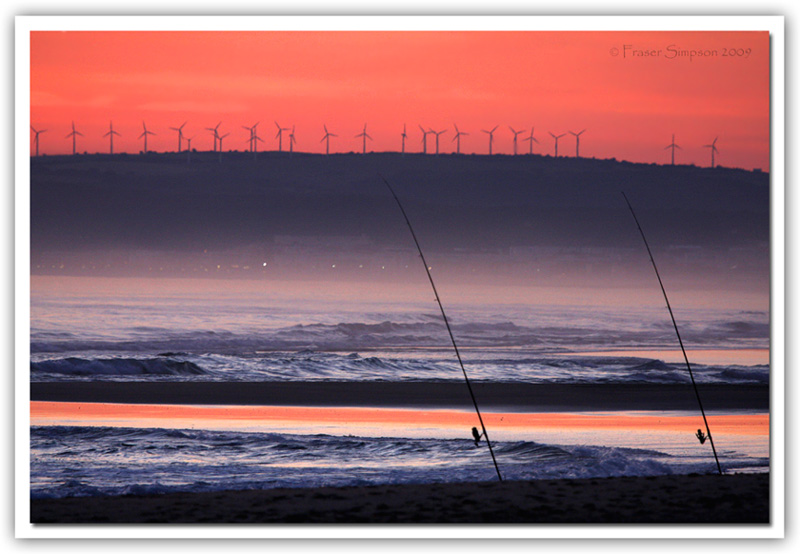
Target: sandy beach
column 684, row 499
column 524, row 397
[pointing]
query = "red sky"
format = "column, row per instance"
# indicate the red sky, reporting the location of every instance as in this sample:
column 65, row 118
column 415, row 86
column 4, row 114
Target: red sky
column 553, row 81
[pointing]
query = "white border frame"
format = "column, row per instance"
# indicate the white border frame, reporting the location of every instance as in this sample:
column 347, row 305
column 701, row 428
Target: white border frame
column 26, row 24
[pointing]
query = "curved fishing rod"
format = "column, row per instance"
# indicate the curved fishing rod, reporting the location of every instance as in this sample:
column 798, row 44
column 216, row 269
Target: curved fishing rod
column 675, row 325
column 447, row 324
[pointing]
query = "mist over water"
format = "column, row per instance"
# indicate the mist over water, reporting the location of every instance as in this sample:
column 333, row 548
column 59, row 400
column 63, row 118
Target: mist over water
column 112, row 329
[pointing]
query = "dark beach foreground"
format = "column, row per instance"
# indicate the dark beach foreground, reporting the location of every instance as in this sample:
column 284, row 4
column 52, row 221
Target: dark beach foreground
column 684, row 499
column 524, row 397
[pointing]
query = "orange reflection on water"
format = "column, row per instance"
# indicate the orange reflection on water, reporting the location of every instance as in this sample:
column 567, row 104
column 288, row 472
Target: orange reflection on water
column 169, row 415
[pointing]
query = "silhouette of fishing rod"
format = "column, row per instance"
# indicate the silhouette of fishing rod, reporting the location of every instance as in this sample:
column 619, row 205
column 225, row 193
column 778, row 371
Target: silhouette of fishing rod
column 449, row 331
column 700, row 436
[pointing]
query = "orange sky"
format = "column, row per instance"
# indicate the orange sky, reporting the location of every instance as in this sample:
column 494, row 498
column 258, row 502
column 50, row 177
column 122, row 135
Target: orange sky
column 556, row 81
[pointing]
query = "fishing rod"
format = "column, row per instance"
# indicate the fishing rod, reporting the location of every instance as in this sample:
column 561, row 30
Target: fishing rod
column 675, row 325
column 447, row 324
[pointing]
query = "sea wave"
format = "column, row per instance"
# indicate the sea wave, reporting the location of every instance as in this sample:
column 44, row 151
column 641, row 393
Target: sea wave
column 422, row 331
column 396, row 366
column 80, row 461
column 116, row 366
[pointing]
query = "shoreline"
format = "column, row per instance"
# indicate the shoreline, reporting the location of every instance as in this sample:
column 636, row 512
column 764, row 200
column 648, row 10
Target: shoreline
column 676, row 499
column 510, row 397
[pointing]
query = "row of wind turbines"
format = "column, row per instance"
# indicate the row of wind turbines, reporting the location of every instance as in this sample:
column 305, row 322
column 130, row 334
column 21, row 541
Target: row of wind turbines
column 254, row 139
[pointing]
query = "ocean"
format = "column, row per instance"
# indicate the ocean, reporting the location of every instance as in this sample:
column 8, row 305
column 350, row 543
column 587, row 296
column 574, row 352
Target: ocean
column 102, row 330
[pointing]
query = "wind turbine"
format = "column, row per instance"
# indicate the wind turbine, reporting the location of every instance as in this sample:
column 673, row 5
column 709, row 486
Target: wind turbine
column 327, row 139
column 714, row 149
column 364, row 136
column 577, row 142
column 531, row 139
column 256, row 138
column 144, row 134
column 220, row 145
column 673, row 146
column 180, row 135
column 36, row 138
column 279, row 136
column 189, row 150
column 516, row 134
column 292, row 141
column 250, row 140
column 424, row 139
column 215, row 130
column 556, row 137
column 491, row 137
column 73, row 134
column 404, row 135
column 437, row 139
column 110, row 134
column 457, row 138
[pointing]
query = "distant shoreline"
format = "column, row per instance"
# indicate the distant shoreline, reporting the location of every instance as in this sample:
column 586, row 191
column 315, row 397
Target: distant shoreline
column 522, row 397
column 685, row 499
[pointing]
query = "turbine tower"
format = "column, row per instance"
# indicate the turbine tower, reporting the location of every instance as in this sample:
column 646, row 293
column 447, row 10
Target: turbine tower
column 556, row 137
column 144, row 134
column 292, row 141
column 364, row 136
column 253, row 139
column 189, row 150
column 256, row 139
column 531, row 139
column 180, row 135
column 327, row 139
column 424, row 139
column 74, row 134
column 249, row 140
column 437, row 139
column 36, row 138
column 110, row 134
column 491, row 137
column 403, row 143
column 516, row 134
column 279, row 136
column 577, row 142
column 673, row 146
column 215, row 130
column 457, row 138
column 220, row 145
column 714, row 149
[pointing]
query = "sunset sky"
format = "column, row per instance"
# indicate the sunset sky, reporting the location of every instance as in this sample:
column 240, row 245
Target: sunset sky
column 629, row 104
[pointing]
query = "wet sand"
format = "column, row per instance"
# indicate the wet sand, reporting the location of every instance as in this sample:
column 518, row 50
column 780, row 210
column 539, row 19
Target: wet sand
column 684, row 499
column 520, row 397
